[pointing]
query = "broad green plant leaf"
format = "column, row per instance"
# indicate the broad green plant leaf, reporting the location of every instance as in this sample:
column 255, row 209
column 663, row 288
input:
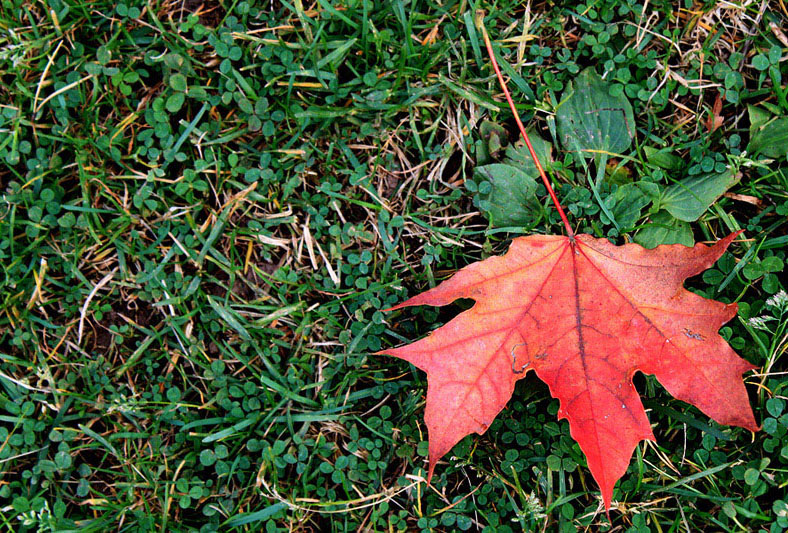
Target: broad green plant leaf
column 595, row 123
column 771, row 139
column 519, row 156
column 663, row 158
column 663, row 228
column 758, row 117
column 626, row 204
column 511, row 200
column 688, row 199
column 511, row 197
column 590, row 120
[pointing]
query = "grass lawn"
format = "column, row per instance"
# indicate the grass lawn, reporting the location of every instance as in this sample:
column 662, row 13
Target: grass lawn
column 205, row 207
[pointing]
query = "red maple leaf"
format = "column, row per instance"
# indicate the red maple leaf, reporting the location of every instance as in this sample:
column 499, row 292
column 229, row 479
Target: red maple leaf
column 585, row 315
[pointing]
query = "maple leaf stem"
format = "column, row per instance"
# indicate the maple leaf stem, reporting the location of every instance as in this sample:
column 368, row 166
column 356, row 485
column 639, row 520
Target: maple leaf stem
column 502, row 82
